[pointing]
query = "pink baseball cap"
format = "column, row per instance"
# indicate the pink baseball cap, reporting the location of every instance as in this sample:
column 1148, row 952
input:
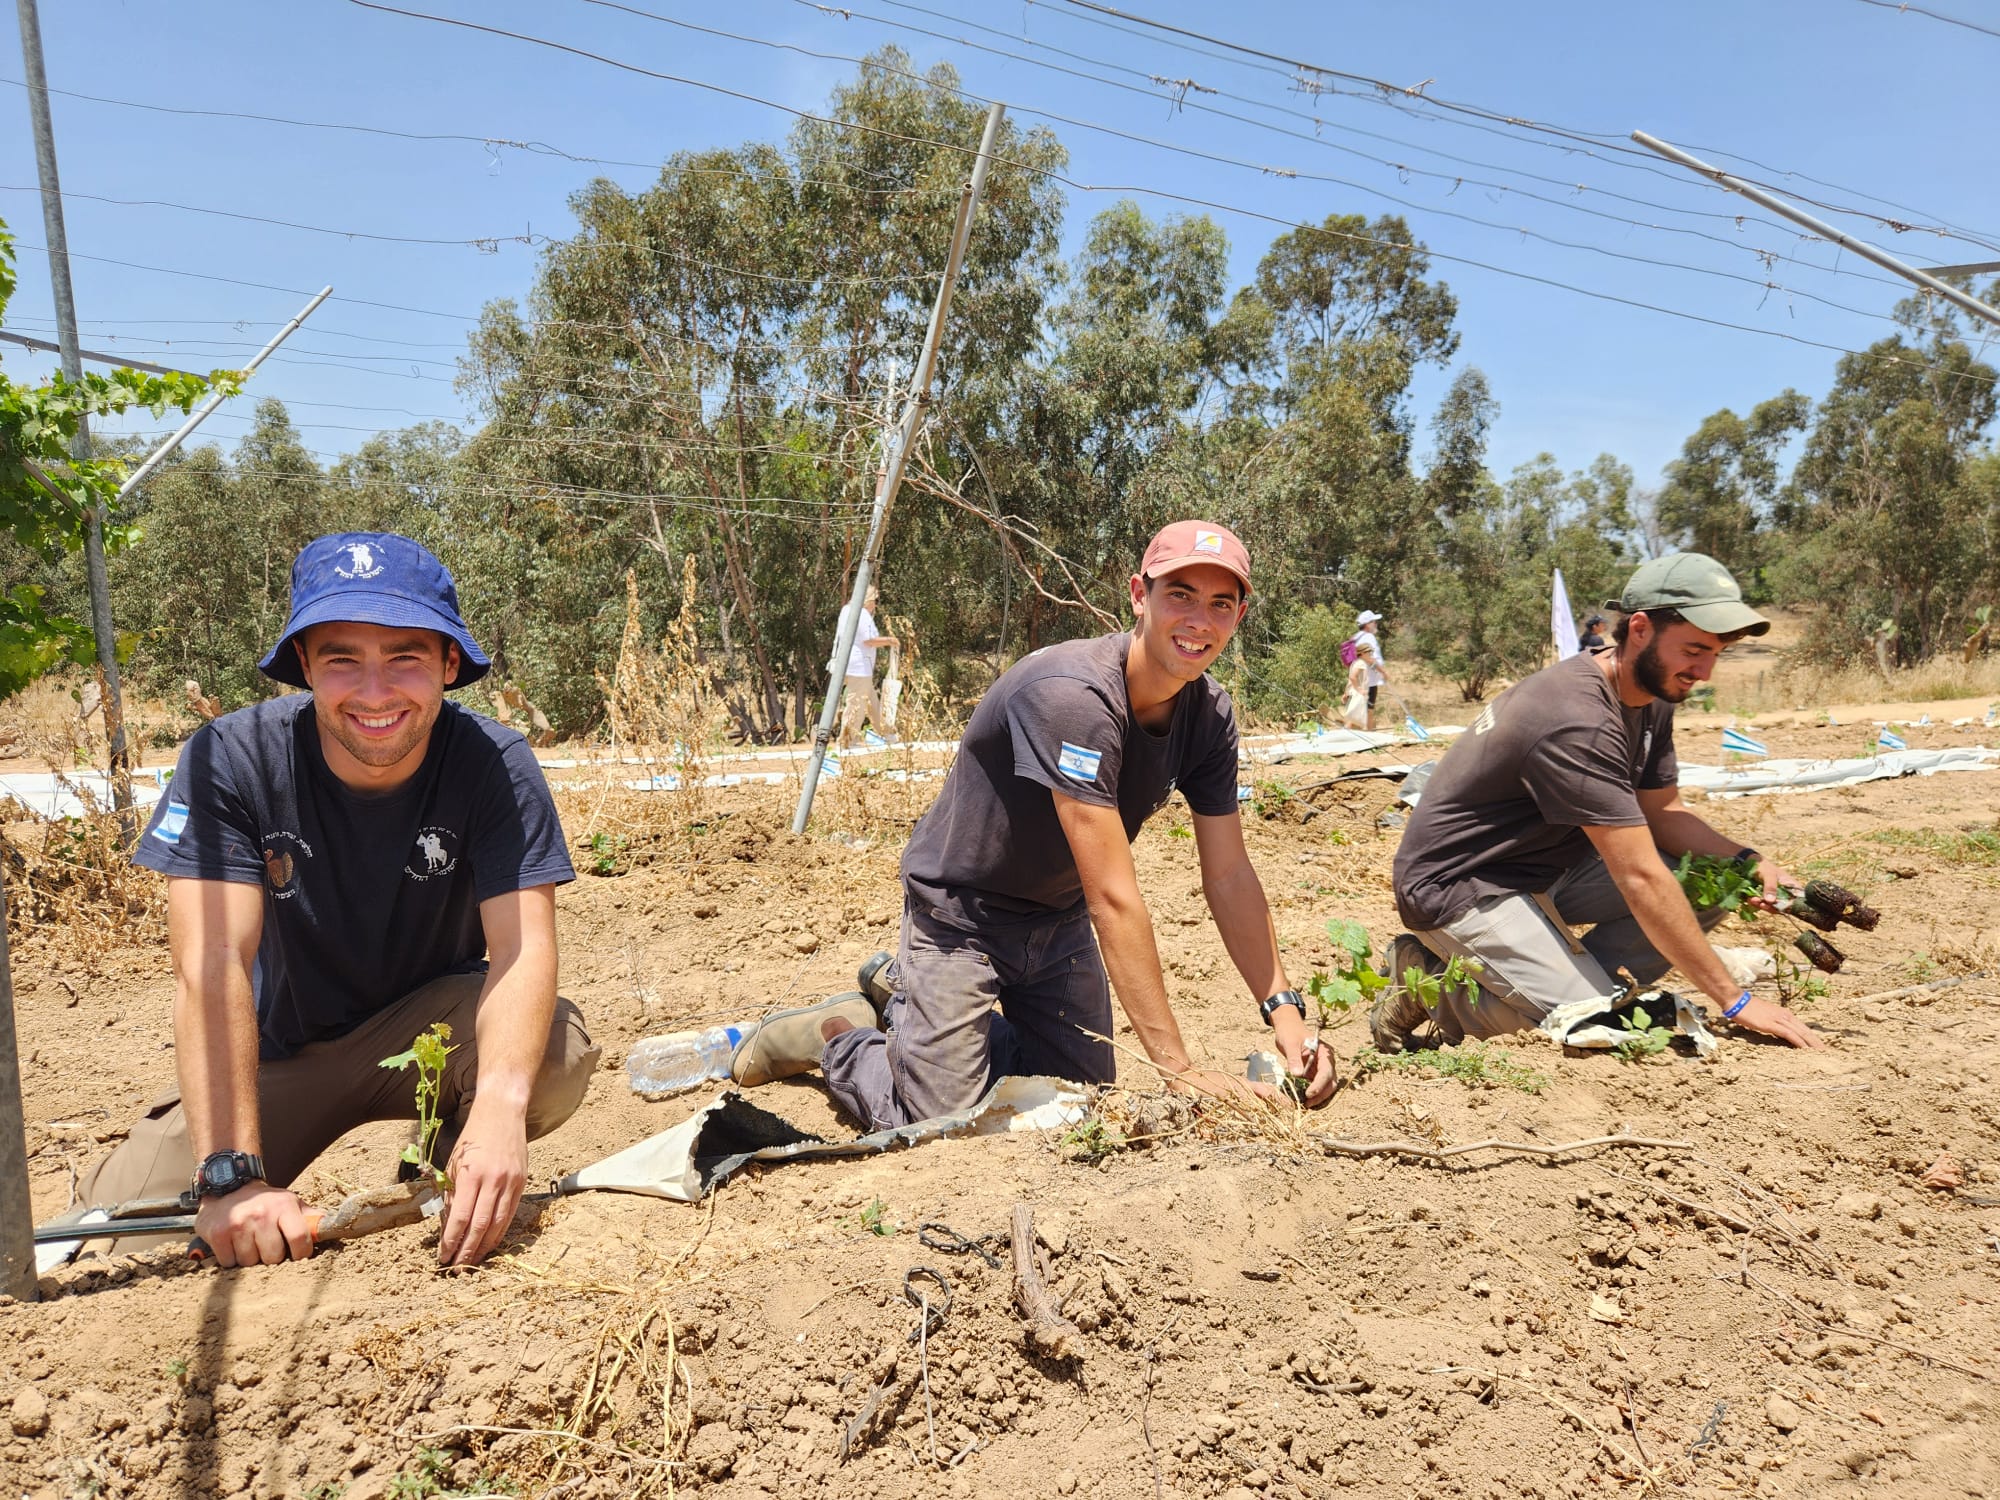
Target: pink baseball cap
column 1193, row 544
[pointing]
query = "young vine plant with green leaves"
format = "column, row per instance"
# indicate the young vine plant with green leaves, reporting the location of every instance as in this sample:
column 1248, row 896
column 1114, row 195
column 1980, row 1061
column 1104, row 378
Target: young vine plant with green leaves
column 427, row 1053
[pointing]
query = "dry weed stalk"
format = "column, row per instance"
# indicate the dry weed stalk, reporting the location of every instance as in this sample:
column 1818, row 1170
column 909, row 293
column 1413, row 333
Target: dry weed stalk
column 71, row 885
column 664, row 710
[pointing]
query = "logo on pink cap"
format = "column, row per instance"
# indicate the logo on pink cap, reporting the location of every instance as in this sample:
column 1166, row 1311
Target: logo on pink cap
column 1189, row 544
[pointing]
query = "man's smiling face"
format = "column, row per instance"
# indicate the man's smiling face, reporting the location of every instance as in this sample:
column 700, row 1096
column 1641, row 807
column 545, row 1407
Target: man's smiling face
column 1187, row 617
column 377, row 692
column 1675, row 661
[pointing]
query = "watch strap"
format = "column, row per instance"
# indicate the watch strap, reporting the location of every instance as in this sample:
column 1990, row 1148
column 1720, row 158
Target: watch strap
column 243, row 1168
column 1284, row 997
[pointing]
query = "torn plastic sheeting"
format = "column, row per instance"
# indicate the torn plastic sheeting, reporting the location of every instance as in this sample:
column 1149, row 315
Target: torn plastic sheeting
column 1337, row 742
column 1782, row 776
column 1592, row 1024
column 47, row 795
column 705, row 1150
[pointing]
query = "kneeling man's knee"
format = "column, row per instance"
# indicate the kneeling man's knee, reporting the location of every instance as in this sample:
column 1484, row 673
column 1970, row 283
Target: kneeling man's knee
column 565, row 1072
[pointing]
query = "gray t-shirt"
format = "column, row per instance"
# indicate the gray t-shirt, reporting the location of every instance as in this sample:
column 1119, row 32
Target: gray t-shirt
column 991, row 852
column 1506, row 808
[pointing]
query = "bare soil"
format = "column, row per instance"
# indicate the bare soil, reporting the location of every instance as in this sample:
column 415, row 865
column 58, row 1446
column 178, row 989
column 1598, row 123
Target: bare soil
column 1776, row 1304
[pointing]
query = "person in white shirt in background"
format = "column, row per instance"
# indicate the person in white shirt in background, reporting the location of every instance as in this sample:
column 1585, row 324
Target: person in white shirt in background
column 1369, row 647
column 859, row 701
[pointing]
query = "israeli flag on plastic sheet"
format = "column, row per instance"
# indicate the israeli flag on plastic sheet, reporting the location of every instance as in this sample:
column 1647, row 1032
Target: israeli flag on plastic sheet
column 1244, row 794
column 873, row 740
column 1888, row 739
column 1417, row 731
column 1736, row 741
column 830, row 766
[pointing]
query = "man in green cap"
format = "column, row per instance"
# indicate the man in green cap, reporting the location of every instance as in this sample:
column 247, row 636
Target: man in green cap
column 1560, row 810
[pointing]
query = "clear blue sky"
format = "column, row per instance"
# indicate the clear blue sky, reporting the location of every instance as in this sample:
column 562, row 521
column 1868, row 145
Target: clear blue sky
column 1880, row 102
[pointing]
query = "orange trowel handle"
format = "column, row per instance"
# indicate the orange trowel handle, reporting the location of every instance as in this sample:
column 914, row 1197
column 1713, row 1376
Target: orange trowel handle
column 198, row 1248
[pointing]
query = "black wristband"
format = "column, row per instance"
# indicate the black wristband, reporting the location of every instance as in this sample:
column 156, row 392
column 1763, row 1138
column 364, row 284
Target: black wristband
column 1284, row 997
column 1749, row 856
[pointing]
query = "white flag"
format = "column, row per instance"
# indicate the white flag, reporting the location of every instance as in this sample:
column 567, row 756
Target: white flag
column 1562, row 624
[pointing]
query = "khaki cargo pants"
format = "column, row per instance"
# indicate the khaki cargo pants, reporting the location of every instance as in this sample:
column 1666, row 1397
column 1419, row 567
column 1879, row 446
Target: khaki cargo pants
column 1532, row 965
column 309, row 1100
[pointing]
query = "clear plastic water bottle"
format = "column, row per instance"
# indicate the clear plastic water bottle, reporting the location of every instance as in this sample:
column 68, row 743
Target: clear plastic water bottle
column 662, row 1065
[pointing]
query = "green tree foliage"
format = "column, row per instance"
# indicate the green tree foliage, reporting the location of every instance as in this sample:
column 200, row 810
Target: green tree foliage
column 1890, row 528
column 1482, row 612
column 46, row 497
column 1720, row 491
column 701, row 370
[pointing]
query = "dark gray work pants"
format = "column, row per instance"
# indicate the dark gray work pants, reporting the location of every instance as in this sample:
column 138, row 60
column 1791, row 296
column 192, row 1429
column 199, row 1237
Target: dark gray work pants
column 973, row 1007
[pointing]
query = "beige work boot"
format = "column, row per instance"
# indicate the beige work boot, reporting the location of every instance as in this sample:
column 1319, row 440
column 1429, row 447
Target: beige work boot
column 789, row 1042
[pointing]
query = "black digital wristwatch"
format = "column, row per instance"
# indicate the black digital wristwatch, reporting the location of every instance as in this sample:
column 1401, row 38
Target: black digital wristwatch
column 223, row 1172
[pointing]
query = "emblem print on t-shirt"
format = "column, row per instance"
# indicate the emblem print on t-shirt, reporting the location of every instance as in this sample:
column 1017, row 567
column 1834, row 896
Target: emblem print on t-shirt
column 1078, row 762
column 436, row 853
column 282, row 853
column 363, row 557
column 1485, row 720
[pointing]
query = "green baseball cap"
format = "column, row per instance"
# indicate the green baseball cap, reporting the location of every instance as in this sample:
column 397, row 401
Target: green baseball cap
column 1697, row 586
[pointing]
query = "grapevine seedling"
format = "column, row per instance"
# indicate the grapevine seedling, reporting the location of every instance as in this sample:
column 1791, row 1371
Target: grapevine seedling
column 1712, row 883
column 1647, row 1039
column 1460, row 973
column 1353, row 980
column 428, row 1052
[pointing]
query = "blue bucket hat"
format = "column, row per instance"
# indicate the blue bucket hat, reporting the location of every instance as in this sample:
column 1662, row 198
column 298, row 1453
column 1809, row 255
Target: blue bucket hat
column 372, row 578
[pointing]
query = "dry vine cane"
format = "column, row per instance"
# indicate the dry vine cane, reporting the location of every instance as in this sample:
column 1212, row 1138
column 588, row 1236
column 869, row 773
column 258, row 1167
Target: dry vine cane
column 428, row 1052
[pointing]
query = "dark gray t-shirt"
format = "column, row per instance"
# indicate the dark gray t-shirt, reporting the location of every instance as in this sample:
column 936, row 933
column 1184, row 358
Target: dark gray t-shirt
column 365, row 897
column 991, row 852
column 1506, row 808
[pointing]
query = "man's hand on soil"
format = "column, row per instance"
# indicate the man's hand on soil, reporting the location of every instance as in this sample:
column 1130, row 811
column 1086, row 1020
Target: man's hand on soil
column 1311, row 1068
column 255, row 1225
column 1774, row 1020
column 488, row 1170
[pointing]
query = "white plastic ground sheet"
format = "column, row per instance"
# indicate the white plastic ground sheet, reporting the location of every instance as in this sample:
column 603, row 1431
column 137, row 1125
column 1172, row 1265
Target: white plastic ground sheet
column 1770, row 777
column 46, row 795
column 688, row 1161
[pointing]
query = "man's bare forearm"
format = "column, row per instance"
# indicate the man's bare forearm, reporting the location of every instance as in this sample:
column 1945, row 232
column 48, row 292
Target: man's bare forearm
column 1132, row 959
column 1679, row 831
column 516, row 1006
column 215, row 1049
column 1243, row 917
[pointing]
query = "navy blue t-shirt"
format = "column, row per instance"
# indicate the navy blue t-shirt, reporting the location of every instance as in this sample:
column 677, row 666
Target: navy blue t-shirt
column 991, row 851
column 366, row 897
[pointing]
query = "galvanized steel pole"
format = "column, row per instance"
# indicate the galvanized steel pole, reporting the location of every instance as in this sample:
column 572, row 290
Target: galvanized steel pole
column 17, row 1219
column 1819, row 227
column 898, row 456
column 72, row 368
column 200, row 414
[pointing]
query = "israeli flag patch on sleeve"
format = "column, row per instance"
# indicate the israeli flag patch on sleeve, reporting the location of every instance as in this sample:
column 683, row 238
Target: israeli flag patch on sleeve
column 172, row 822
column 1078, row 763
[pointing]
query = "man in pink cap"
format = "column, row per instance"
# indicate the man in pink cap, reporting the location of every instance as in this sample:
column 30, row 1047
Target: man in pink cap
column 1019, row 887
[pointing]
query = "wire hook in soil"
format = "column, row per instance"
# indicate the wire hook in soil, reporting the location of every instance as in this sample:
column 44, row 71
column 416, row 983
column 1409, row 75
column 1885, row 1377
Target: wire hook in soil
column 933, row 1315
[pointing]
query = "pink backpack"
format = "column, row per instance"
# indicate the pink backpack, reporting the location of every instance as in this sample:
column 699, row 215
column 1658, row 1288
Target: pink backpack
column 1349, row 651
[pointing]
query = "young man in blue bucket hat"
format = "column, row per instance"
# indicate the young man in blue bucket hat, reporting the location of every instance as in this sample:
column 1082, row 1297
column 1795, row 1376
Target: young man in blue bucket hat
column 346, row 867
